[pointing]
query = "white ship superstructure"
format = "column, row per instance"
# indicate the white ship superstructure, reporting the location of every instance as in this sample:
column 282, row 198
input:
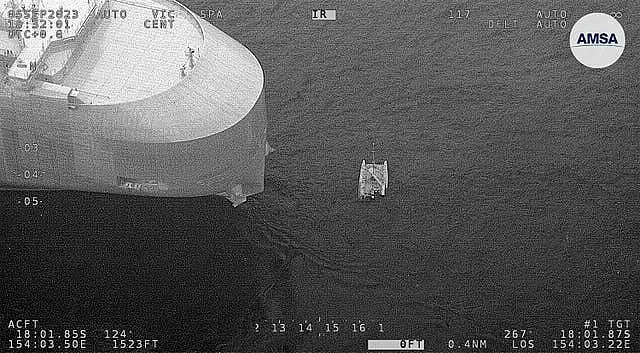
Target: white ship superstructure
column 30, row 27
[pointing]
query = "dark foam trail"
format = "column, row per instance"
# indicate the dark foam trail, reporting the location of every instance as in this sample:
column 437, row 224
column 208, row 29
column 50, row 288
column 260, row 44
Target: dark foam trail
column 275, row 234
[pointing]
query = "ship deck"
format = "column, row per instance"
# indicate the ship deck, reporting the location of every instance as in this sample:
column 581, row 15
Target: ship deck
column 131, row 85
column 123, row 61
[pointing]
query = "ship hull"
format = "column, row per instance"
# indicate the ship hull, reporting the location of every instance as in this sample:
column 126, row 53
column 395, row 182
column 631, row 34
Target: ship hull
column 229, row 163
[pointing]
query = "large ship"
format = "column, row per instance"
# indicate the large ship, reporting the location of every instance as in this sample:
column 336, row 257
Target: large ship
column 133, row 97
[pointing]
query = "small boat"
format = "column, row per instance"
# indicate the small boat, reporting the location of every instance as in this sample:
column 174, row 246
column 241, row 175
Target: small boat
column 374, row 178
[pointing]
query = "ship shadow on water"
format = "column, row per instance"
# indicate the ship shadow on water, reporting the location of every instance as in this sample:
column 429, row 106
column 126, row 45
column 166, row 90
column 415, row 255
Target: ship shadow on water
column 189, row 272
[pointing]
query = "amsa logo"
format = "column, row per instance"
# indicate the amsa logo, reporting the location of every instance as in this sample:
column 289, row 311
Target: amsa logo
column 597, row 40
column 591, row 39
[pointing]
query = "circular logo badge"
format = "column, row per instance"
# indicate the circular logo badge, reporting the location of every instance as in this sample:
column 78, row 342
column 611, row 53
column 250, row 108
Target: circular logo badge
column 597, row 40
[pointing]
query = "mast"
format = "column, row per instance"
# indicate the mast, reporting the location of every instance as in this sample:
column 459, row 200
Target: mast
column 373, row 152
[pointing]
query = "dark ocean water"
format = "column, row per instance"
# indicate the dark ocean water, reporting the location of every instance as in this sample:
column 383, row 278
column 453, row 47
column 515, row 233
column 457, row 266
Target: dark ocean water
column 513, row 200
